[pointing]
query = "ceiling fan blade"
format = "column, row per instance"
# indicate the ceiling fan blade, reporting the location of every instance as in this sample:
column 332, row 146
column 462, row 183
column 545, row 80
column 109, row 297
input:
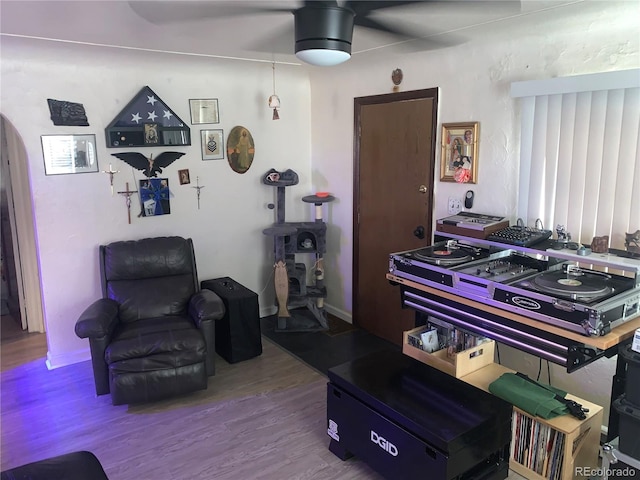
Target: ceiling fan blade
column 456, row 6
column 364, row 7
column 162, row 12
column 412, row 40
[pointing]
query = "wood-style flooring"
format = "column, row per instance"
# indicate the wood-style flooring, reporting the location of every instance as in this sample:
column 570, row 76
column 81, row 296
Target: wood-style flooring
column 263, row 418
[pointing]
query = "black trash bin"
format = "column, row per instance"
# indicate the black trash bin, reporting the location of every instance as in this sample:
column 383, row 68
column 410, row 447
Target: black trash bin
column 238, row 332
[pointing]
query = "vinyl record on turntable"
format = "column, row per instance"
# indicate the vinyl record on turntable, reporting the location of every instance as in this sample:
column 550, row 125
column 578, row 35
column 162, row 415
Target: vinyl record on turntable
column 581, row 285
column 443, row 256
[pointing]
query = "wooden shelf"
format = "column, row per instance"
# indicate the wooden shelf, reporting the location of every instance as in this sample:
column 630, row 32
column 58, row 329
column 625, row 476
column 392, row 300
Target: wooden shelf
column 581, row 437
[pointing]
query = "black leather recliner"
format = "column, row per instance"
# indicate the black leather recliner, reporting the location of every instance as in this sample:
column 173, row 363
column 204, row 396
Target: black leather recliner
column 152, row 335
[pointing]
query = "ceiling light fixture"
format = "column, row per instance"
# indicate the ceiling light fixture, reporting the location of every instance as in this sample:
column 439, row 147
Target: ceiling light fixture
column 323, row 35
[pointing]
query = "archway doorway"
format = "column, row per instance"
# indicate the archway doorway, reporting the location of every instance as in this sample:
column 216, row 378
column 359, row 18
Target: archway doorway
column 23, row 245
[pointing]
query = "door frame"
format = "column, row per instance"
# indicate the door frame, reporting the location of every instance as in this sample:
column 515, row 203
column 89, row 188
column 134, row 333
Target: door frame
column 358, row 103
column 15, row 168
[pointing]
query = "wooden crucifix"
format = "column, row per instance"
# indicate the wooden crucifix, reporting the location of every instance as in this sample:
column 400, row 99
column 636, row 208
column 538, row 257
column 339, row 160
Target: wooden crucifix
column 128, row 194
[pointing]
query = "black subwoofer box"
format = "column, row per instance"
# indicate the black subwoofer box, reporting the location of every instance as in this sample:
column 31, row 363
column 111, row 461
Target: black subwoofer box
column 238, row 335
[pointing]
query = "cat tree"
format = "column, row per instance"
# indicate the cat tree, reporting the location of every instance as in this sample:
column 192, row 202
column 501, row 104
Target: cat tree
column 300, row 306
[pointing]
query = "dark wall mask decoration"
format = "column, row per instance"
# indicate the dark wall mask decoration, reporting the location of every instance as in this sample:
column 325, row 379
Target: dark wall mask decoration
column 67, row 113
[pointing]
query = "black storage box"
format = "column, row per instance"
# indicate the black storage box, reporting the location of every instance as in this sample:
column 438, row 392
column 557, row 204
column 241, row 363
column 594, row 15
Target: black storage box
column 632, row 384
column 409, row 420
column 238, row 334
column 629, row 427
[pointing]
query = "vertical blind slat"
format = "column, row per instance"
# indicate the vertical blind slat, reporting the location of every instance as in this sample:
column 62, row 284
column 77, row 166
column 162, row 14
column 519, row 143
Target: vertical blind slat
column 565, row 161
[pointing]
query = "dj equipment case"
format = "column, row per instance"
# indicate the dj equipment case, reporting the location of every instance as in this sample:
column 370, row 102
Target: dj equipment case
column 409, row 420
column 238, row 334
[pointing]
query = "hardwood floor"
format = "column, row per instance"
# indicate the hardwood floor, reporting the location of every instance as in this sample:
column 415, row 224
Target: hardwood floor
column 263, row 418
column 18, row 346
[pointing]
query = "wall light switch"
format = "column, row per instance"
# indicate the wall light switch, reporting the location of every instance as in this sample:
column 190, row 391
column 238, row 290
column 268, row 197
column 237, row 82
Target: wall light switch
column 454, row 206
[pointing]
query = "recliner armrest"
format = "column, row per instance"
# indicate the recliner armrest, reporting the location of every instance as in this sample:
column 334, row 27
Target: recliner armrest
column 206, row 305
column 98, row 320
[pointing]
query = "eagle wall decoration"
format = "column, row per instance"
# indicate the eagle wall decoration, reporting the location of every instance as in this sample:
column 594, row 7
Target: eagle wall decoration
column 150, row 167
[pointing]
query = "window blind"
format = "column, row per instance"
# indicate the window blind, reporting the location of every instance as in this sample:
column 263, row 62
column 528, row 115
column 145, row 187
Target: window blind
column 580, row 154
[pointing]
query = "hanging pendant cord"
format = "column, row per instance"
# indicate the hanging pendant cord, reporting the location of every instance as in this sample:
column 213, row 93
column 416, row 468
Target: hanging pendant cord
column 273, row 66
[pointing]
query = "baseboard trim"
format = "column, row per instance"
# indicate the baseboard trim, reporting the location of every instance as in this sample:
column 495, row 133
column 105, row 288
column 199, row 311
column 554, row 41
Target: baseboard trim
column 57, row 361
column 336, row 312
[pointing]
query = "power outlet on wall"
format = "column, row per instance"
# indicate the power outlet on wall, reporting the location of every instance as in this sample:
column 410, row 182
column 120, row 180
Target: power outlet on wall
column 455, row 206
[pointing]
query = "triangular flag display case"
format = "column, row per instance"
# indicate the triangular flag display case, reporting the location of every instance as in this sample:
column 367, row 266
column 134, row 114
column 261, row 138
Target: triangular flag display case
column 147, row 121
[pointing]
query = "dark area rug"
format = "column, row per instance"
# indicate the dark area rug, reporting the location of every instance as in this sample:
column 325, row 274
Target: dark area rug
column 323, row 350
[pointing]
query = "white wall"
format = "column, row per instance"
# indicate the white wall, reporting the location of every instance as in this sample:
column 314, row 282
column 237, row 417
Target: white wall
column 76, row 213
column 474, row 81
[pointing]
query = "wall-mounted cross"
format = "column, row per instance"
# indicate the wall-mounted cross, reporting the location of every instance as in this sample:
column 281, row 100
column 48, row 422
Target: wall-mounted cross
column 111, row 173
column 128, row 194
column 198, row 187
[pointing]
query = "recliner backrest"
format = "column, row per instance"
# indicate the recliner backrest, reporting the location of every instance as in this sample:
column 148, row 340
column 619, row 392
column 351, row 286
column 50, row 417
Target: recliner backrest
column 149, row 278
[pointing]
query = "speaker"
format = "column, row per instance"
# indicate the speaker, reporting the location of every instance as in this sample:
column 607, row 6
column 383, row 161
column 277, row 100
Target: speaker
column 238, row 335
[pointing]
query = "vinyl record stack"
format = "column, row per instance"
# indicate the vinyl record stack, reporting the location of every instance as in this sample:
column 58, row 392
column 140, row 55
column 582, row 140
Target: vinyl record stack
column 628, row 407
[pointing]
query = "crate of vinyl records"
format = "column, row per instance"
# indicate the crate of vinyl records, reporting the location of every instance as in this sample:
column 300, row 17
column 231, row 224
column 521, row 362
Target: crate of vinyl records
column 447, row 348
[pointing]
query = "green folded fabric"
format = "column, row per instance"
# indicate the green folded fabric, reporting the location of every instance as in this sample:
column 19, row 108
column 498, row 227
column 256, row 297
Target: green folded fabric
column 533, row 398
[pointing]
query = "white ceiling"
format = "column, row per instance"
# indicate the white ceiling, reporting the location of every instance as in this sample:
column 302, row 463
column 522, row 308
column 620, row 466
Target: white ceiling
column 207, row 28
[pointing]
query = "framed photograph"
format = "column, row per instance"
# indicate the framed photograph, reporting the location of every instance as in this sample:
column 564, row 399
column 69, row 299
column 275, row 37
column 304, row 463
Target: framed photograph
column 459, row 159
column 151, row 133
column 183, row 176
column 204, row 111
column 65, row 154
column 212, row 142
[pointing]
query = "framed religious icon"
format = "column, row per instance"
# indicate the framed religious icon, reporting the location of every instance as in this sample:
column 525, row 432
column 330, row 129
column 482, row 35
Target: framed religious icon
column 212, row 144
column 204, row 110
column 240, row 149
column 184, row 177
column 459, row 158
column 69, row 154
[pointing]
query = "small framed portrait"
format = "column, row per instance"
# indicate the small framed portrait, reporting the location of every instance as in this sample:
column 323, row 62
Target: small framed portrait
column 459, row 158
column 212, row 142
column 183, row 176
column 151, row 133
column 204, row 110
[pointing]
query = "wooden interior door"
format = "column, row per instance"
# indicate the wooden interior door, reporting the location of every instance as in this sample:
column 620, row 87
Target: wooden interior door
column 393, row 200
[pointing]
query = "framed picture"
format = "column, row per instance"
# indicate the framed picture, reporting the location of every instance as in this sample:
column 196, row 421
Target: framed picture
column 183, row 176
column 65, row 154
column 204, row 111
column 151, row 134
column 240, row 149
column 459, row 159
column 212, row 144
column 154, row 196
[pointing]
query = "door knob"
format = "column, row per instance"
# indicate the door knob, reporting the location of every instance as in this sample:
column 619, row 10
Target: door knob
column 419, row 232
column 422, row 189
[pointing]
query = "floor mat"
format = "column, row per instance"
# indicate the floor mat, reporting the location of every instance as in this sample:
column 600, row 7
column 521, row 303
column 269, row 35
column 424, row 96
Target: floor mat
column 322, row 350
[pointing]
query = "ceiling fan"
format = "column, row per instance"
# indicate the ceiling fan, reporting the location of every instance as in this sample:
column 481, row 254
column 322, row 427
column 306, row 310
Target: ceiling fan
column 323, row 29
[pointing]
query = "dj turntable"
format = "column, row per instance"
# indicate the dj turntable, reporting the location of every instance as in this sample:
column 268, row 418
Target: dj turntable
column 449, row 254
column 575, row 283
column 432, row 263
